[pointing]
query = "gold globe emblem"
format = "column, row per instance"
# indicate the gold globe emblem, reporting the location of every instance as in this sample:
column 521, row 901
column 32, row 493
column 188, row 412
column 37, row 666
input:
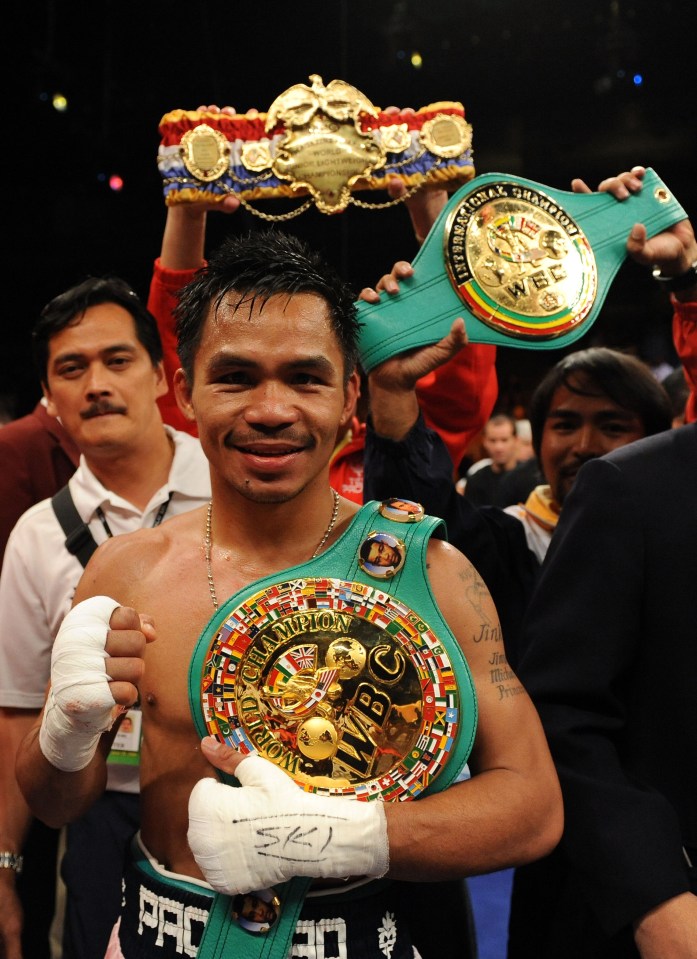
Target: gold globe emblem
column 347, row 655
column 317, row 739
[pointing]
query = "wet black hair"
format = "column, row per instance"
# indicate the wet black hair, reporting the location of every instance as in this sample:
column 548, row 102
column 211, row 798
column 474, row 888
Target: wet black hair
column 68, row 308
column 260, row 265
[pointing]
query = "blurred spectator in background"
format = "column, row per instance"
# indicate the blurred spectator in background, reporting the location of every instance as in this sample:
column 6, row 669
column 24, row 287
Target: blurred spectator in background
column 523, row 437
column 483, row 480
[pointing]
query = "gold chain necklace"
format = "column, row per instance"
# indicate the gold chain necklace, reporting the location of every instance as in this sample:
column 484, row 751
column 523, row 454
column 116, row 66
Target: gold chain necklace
column 208, row 543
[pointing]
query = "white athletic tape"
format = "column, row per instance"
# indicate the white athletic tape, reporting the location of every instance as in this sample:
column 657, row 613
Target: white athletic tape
column 269, row 830
column 79, row 707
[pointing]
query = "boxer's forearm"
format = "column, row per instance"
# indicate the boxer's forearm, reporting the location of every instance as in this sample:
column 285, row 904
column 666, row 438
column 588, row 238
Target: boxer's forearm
column 56, row 797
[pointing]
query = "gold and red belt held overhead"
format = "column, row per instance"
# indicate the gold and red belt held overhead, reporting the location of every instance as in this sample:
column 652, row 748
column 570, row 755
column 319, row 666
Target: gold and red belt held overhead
column 320, row 143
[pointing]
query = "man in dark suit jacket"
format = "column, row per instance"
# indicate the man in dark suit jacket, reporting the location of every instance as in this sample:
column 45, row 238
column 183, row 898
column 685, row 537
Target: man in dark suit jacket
column 611, row 664
column 38, row 458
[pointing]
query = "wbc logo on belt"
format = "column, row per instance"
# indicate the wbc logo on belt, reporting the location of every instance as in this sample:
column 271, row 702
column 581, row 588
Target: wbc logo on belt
column 338, row 683
column 520, row 263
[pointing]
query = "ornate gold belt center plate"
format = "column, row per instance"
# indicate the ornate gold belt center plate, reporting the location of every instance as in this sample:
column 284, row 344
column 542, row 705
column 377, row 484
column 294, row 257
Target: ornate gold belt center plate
column 519, row 261
column 339, row 684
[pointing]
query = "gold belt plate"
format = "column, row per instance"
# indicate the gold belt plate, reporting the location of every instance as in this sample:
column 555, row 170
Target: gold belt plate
column 338, row 683
column 521, row 264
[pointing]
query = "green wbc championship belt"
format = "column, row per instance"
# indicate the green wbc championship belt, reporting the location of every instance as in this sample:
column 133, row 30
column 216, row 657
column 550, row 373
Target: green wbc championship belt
column 525, row 265
column 343, row 673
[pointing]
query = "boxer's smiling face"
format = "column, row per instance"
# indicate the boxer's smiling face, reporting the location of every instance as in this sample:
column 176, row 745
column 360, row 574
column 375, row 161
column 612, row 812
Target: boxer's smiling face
column 268, row 393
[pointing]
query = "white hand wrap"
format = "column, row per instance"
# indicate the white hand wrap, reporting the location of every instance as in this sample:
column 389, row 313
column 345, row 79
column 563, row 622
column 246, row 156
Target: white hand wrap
column 79, row 707
column 269, row 830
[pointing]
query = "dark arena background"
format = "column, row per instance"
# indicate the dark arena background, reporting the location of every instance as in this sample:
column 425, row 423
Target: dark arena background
column 553, row 90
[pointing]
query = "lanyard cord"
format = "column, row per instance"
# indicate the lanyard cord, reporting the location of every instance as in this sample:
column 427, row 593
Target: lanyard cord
column 158, row 519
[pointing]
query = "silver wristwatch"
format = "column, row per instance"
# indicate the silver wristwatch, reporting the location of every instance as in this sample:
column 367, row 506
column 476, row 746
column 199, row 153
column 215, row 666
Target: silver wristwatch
column 8, row 860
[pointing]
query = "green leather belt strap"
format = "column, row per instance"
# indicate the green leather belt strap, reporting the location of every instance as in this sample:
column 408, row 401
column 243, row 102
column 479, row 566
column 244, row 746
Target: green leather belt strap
column 223, row 936
column 524, row 265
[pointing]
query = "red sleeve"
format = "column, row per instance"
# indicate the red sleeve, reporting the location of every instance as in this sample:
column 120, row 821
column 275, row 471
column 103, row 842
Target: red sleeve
column 162, row 299
column 685, row 341
column 458, row 398
column 346, row 465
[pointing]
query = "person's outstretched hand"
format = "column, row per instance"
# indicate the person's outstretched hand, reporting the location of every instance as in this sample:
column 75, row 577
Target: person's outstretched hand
column 673, row 251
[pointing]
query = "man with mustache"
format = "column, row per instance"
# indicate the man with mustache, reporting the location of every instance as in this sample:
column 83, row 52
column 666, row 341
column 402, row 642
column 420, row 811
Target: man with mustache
column 99, row 356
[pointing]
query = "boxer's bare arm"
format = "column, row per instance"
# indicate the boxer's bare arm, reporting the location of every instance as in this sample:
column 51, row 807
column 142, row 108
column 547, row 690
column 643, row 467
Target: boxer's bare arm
column 510, row 812
column 161, row 574
column 57, row 795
